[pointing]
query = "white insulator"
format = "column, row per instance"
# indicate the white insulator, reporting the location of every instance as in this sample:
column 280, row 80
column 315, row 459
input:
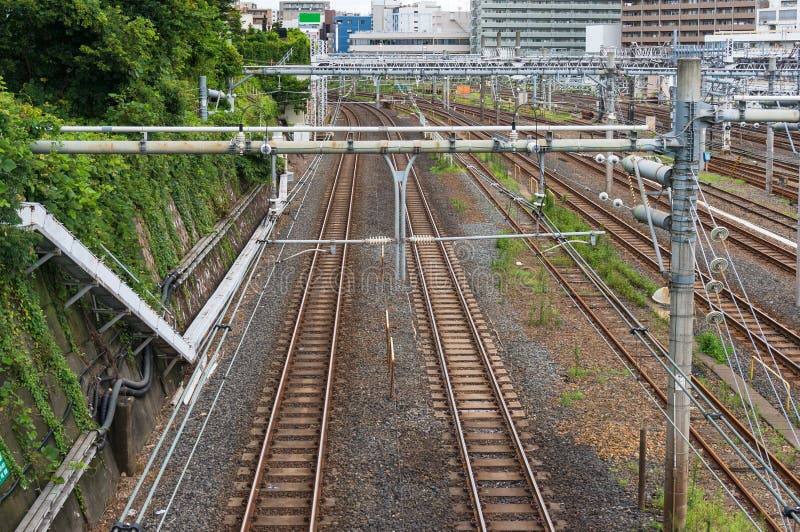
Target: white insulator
column 742, row 124
column 714, row 287
column 756, row 125
column 604, row 196
column 422, row 239
column 378, row 240
column 617, row 203
column 600, row 158
column 266, row 149
column 714, row 317
column 613, row 159
column 720, row 233
column 533, row 147
column 719, row 265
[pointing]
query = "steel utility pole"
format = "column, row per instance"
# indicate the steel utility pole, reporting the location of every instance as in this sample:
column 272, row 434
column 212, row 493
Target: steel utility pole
column 681, row 288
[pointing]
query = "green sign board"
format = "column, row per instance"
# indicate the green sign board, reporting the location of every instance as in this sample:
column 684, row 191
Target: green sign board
column 4, row 472
column 309, row 18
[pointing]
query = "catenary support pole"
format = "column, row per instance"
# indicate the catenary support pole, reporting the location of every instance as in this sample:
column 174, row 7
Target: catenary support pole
column 770, row 132
column 203, row 88
column 681, row 288
column 399, row 180
column 611, row 116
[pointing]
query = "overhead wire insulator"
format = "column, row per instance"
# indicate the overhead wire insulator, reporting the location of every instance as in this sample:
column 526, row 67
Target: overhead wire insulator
column 719, row 265
column 714, row 287
column 422, row 239
column 720, row 233
column 715, row 317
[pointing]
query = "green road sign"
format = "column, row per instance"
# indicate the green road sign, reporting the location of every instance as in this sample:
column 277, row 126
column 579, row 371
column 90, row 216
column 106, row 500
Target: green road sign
column 4, row 472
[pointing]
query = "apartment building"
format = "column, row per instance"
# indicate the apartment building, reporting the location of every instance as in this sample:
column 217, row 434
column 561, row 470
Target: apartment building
column 653, row 22
column 544, row 26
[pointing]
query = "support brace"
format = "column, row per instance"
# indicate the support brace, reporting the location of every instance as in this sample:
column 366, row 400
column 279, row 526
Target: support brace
column 399, row 179
column 79, row 294
column 44, row 258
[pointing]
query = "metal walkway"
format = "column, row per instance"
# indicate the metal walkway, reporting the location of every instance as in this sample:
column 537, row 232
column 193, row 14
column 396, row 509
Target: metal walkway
column 111, row 293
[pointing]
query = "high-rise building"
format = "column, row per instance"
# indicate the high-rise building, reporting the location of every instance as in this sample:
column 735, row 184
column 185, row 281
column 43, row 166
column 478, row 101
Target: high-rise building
column 543, row 26
column 654, row 22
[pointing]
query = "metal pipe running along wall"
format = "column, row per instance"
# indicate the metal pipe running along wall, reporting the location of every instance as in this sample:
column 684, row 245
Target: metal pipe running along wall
column 260, row 148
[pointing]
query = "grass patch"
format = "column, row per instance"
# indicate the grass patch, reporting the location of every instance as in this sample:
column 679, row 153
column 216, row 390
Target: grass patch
column 541, row 310
column 570, row 397
column 711, row 177
column 711, row 344
column 603, row 258
column 499, row 171
column 459, row 205
column 444, row 165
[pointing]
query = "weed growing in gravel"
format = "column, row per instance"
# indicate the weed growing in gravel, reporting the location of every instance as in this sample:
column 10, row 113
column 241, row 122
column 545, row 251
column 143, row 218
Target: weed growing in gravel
column 710, row 512
column 499, row 171
column 568, row 398
column 541, row 310
column 603, row 258
column 443, row 165
column 577, row 371
column 711, row 344
column 459, row 205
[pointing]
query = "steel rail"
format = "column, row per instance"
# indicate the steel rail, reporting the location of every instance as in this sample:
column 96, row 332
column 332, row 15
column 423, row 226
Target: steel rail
column 620, row 347
column 779, row 256
column 279, row 396
column 519, row 449
column 793, row 480
column 764, row 319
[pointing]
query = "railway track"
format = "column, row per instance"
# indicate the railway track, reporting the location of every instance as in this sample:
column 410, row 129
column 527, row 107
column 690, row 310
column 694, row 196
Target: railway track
column 286, row 483
column 787, row 224
column 632, row 340
column 762, row 247
column 752, row 173
column 499, row 477
column 749, row 322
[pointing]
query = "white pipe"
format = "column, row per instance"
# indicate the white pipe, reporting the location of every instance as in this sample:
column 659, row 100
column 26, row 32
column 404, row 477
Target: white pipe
column 782, row 98
column 343, row 129
column 758, row 115
column 223, row 147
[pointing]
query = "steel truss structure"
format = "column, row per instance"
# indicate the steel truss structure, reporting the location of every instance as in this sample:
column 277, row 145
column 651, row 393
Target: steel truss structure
column 463, row 65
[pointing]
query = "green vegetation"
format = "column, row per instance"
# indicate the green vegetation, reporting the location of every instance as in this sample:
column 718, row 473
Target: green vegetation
column 711, row 344
column 459, row 205
column 569, row 398
column 444, row 165
column 499, row 170
column 541, row 310
column 707, row 512
column 577, row 371
column 118, row 62
column 617, row 274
